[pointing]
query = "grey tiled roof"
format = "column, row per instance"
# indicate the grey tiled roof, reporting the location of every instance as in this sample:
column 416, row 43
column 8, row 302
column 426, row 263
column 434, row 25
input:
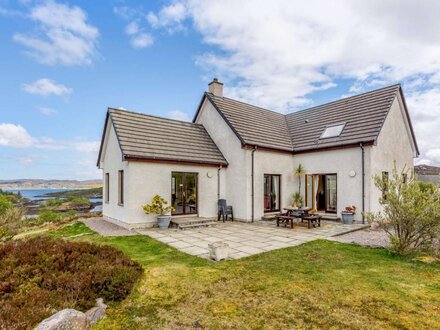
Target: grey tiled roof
column 363, row 116
column 143, row 136
column 254, row 125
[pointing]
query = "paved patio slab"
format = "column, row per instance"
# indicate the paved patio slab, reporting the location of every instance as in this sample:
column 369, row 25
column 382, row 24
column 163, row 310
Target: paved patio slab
column 246, row 239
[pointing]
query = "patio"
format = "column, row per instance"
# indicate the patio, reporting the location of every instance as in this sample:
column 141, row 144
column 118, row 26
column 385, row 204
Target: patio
column 246, row 239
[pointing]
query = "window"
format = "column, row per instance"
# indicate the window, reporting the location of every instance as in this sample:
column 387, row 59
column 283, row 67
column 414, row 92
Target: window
column 385, row 176
column 332, row 131
column 121, row 187
column 404, row 178
column 107, row 187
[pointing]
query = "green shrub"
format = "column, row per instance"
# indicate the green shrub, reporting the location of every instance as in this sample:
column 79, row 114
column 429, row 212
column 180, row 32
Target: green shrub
column 10, row 221
column 6, row 234
column 70, row 213
column 54, row 202
column 41, row 276
column 4, row 204
column 79, row 200
column 49, row 216
column 411, row 212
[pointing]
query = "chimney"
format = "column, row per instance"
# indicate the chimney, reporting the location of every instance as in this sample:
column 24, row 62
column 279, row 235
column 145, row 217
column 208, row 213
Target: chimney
column 215, row 87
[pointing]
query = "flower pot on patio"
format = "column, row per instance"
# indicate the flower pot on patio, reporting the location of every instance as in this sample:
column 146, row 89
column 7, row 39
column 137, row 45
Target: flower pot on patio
column 218, row 251
column 347, row 217
column 163, row 221
column 160, row 207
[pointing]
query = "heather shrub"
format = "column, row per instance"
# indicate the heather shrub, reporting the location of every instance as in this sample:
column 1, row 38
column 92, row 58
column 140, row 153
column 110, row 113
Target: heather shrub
column 41, row 276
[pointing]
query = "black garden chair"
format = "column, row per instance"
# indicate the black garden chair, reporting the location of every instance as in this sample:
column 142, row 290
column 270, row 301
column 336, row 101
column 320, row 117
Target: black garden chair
column 224, row 210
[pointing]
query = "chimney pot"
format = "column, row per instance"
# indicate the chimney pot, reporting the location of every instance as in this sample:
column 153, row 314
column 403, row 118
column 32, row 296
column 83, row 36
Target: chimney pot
column 215, row 87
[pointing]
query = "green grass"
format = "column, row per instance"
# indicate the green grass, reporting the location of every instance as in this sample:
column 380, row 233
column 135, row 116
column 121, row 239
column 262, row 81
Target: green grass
column 320, row 284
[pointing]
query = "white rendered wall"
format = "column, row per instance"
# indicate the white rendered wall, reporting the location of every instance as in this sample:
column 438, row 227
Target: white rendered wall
column 112, row 163
column 234, row 186
column 271, row 163
column 394, row 144
column 339, row 162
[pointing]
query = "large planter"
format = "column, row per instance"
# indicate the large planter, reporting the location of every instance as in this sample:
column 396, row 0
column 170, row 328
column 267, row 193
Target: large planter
column 163, row 221
column 347, row 217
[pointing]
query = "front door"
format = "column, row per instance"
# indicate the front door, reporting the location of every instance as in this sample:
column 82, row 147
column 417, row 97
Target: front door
column 184, row 193
column 271, row 192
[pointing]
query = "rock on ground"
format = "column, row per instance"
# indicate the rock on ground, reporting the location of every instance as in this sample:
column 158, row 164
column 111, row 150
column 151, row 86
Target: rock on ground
column 67, row 319
column 96, row 313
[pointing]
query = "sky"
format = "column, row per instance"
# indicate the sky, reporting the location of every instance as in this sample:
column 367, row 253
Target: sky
column 63, row 62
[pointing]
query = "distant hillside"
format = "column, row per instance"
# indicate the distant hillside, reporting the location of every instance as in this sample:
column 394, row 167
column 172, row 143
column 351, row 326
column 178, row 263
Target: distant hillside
column 428, row 173
column 49, row 184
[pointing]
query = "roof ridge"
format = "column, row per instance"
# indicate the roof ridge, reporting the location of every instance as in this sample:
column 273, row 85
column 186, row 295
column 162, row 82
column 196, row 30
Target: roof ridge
column 346, row 98
column 252, row 105
column 319, row 105
column 109, row 109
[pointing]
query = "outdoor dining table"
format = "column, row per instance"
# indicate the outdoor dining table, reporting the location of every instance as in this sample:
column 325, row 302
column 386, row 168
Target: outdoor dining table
column 302, row 213
column 303, row 210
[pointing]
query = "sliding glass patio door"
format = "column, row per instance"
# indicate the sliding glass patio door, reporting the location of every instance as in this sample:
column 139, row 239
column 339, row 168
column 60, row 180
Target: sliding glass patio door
column 272, row 191
column 331, row 196
column 184, row 193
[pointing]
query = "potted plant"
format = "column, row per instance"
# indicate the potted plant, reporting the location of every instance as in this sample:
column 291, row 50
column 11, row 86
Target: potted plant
column 348, row 214
column 297, row 200
column 160, row 207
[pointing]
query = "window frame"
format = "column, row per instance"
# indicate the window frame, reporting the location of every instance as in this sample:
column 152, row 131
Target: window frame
column 121, row 187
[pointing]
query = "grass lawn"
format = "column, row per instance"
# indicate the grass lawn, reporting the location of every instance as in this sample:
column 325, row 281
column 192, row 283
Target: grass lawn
column 320, row 284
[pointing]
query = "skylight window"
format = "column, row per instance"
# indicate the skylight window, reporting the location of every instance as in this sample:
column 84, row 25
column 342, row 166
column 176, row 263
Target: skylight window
column 332, row 131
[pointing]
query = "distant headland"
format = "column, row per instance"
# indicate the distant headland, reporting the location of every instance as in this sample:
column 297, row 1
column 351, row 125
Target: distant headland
column 49, row 184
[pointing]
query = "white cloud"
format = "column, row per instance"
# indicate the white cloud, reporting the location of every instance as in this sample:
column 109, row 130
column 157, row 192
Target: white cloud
column 276, row 54
column 15, row 136
column 424, row 107
column 25, row 160
column 63, row 35
column 142, row 40
column 179, row 115
column 132, row 28
column 46, row 87
column 170, row 17
column 87, row 146
column 138, row 38
column 47, row 111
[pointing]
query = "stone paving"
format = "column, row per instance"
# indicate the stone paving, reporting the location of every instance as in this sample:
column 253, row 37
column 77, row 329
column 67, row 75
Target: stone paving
column 105, row 228
column 246, row 239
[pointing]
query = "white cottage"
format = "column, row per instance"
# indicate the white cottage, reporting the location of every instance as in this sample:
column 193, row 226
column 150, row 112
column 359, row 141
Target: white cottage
column 247, row 155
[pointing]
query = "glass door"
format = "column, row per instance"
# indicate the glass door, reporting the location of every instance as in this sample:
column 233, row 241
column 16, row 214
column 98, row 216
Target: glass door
column 271, row 192
column 331, row 193
column 310, row 192
column 184, row 193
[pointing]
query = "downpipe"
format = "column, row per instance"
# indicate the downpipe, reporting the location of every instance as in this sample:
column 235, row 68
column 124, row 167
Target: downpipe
column 363, row 181
column 253, row 182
